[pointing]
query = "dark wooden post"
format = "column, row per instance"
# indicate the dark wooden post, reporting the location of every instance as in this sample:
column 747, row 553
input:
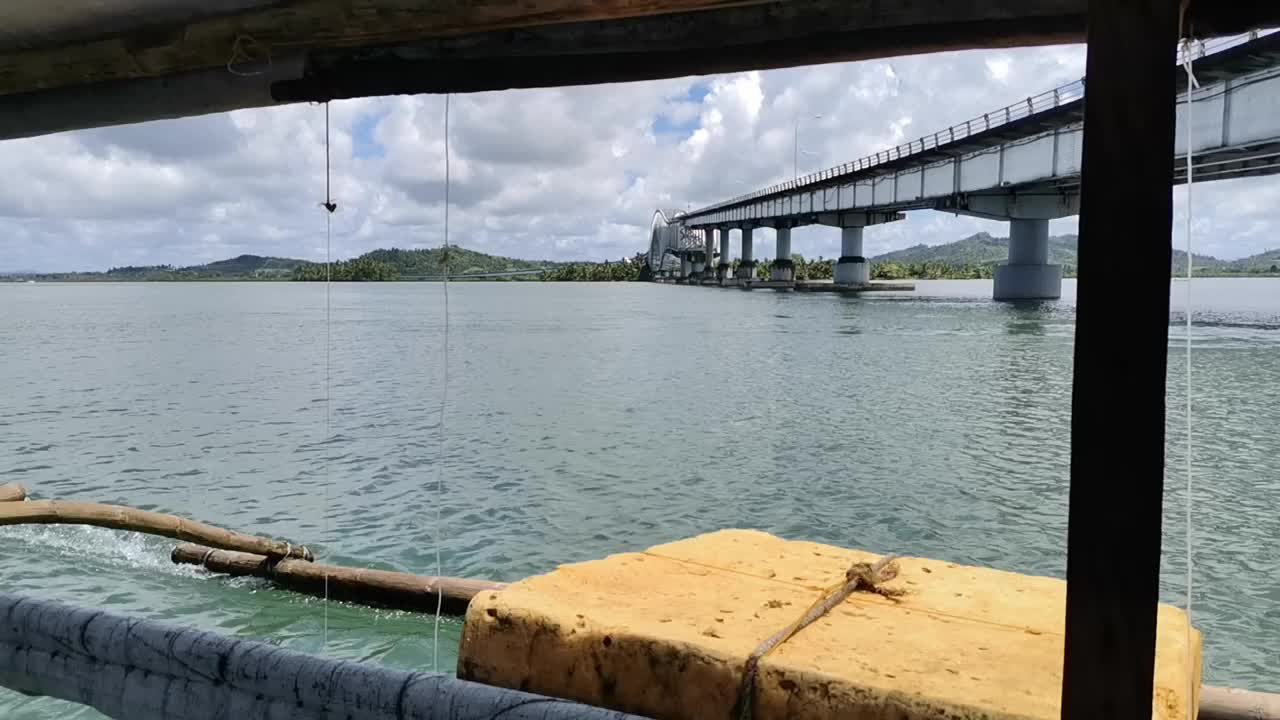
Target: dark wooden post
column 1121, row 346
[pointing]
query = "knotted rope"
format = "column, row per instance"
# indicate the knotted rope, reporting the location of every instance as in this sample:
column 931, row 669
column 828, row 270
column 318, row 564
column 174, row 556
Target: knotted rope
column 860, row 577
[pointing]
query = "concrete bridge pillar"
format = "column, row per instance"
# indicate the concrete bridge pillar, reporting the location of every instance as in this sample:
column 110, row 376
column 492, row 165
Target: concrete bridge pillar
column 851, row 268
column 1028, row 274
column 698, row 258
column 782, row 269
column 686, row 268
column 723, row 269
column 709, row 253
column 747, row 265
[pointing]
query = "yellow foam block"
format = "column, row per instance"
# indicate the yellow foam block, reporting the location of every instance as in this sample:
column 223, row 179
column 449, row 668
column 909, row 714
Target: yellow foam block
column 666, row 633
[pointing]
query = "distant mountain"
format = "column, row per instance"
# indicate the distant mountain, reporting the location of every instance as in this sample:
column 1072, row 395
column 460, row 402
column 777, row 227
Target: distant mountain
column 246, row 265
column 242, row 267
column 1267, row 261
column 979, row 249
column 460, row 263
column 416, row 263
column 382, row 264
column 1203, row 263
column 984, row 250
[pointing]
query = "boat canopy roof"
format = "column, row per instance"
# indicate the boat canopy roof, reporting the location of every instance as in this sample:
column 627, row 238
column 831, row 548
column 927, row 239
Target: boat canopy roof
column 68, row 64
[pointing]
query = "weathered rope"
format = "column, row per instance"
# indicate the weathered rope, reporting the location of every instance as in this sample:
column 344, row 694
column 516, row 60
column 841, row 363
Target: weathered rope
column 860, row 577
column 242, row 54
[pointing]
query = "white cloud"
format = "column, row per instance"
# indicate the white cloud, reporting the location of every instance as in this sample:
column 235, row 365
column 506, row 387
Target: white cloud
column 998, row 68
column 556, row 173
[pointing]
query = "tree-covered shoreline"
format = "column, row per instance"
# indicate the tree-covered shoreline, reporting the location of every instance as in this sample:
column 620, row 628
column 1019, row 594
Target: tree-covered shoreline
column 461, row 264
column 972, row 258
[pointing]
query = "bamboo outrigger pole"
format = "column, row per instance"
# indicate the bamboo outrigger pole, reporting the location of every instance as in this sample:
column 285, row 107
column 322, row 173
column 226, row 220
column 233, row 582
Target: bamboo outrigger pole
column 382, row 588
column 116, row 517
column 12, row 492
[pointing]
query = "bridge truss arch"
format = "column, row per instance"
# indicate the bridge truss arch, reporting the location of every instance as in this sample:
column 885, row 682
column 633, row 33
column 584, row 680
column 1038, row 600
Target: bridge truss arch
column 669, row 237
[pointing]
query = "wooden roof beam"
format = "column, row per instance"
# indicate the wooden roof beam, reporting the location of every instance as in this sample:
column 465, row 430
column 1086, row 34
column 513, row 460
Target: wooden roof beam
column 811, row 31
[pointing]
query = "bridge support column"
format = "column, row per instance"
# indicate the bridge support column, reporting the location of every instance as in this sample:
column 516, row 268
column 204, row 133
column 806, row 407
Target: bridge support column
column 1028, row 274
column 782, row 268
column 697, row 264
column 851, row 268
column 686, row 268
column 709, row 253
column 724, row 269
column 746, row 266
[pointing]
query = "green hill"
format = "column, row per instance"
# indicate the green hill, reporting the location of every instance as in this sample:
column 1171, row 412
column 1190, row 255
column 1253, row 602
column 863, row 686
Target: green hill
column 397, row 264
column 1266, row 262
column 981, row 252
column 409, row 263
column 241, row 267
column 246, row 265
column 979, row 249
column 381, row 264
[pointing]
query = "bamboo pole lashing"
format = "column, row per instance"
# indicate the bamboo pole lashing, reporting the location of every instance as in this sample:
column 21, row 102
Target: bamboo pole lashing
column 12, row 492
column 117, row 517
column 382, row 588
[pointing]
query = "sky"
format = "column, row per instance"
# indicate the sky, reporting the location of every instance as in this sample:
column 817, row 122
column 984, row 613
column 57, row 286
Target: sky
column 562, row 174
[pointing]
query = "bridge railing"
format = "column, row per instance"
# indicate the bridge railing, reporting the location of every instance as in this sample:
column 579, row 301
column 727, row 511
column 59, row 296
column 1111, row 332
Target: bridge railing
column 1023, row 108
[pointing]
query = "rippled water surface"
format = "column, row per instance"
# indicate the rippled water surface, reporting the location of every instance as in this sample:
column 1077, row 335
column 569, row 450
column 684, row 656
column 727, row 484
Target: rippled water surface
column 589, row 419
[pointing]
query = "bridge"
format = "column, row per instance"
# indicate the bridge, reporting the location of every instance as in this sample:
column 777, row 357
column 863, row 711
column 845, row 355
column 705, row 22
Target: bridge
column 1020, row 163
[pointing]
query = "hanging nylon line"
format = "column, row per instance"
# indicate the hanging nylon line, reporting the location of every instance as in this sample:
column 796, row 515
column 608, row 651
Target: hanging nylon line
column 1192, row 85
column 444, row 400
column 329, row 207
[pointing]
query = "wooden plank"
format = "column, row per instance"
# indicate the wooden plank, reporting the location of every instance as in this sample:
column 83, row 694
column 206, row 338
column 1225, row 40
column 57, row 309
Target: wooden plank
column 243, row 32
column 130, row 101
column 129, row 667
column 117, row 517
column 255, row 35
column 34, row 25
column 754, row 38
column 382, row 588
column 247, row 37
column 1121, row 345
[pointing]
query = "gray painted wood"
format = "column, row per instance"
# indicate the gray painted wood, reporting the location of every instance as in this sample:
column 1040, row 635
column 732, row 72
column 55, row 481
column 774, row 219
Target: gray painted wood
column 30, row 25
column 143, row 670
column 132, row 101
column 68, row 64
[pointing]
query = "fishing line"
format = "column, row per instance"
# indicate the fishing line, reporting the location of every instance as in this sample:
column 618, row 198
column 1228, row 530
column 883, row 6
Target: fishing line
column 329, row 205
column 1192, row 85
column 444, row 401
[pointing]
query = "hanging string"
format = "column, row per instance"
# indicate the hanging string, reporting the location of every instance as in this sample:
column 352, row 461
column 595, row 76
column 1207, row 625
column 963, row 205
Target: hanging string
column 444, row 400
column 1192, row 85
column 329, row 205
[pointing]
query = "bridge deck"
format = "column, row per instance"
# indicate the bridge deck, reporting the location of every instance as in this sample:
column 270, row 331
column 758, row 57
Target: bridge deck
column 1056, row 112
